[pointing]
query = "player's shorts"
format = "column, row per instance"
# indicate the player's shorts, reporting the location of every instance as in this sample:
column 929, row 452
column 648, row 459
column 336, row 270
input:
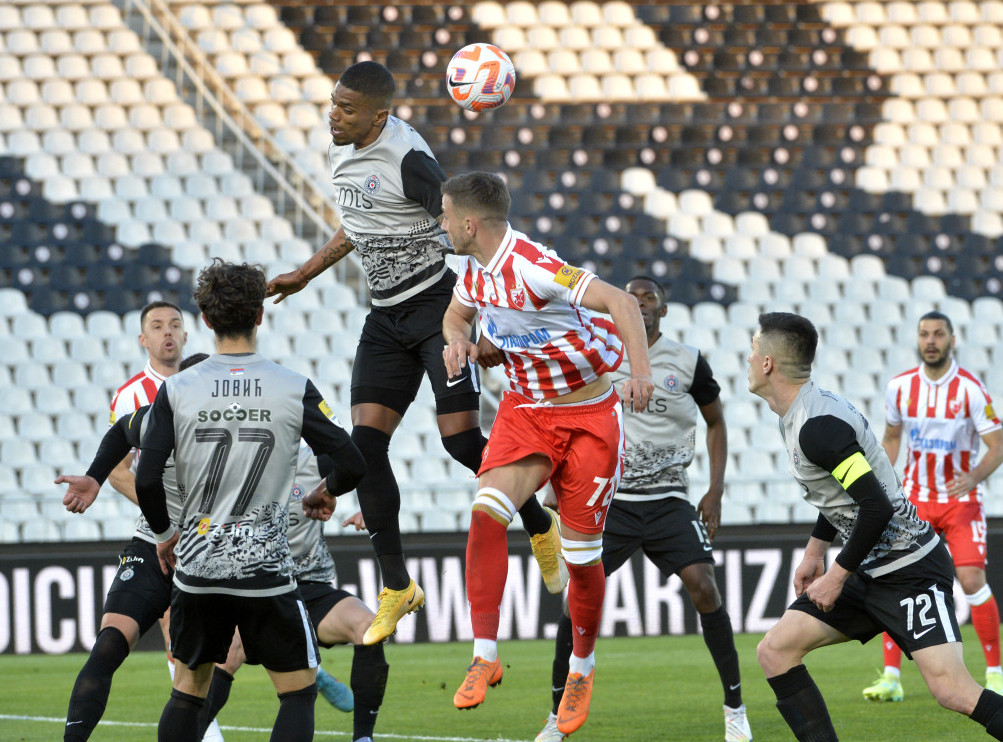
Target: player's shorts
column 668, row 530
column 275, row 630
column 402, row 343
column 914, row 604
column 140, row 589
column 963, row 526
column 320, row 598
column 584, row 443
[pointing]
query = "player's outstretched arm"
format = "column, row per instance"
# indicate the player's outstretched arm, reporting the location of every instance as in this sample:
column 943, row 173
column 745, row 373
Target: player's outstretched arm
column 456, row 326
column 709, row 507
column 115, row 446
column 81, row 493
column 289, row 283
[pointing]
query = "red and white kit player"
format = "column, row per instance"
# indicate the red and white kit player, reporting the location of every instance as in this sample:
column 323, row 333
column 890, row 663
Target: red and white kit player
column 942, row 410
column 560, row 422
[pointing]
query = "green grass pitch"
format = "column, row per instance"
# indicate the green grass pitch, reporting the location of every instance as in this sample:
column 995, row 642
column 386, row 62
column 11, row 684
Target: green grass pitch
column 661, row 688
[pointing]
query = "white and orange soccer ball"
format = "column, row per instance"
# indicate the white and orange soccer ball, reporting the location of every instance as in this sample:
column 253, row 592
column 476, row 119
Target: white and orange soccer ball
column 480, row 77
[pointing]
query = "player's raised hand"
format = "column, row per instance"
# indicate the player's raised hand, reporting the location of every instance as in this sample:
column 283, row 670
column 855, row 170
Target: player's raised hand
column 355, row 519
column 286, row 284
column 455, row 355
column 81, row 493
column 637, row 392
column 318, row 504
column 165, row 553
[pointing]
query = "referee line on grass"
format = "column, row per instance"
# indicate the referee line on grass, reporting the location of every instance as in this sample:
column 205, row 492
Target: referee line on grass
column 262, row 730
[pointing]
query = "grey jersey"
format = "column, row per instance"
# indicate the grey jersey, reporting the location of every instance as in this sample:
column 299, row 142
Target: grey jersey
column 311, row 558
column 906, row 538
column 135, row 429
column 388, row 197
column 661, row 440
column 234, row 423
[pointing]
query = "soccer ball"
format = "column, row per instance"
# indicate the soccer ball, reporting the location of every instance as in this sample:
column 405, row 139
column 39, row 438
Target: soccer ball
column 480, row 77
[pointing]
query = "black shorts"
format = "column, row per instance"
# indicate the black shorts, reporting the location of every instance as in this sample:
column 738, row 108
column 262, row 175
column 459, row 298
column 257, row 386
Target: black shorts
column 275, row 629
column 320, row 598
column 915, row 604
column 140, row 589
column 668, row 530
column 402, row 343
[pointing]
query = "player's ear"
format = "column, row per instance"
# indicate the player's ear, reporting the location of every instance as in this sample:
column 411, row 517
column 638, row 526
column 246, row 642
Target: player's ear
column 260, row 317
column 206, row 320
column 142, row 340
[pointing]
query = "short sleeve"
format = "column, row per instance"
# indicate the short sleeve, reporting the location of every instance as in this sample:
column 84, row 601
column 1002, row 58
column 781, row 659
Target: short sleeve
column 556, row 280
column 893, row 415
column 981, row 410
column 827, row 441
column 704, row 388
column 159, row 433
column 460, row 291
column 422, row 179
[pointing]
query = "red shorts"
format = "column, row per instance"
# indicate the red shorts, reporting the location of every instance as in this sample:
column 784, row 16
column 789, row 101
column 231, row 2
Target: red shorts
column 963, row 526
column 584, row 443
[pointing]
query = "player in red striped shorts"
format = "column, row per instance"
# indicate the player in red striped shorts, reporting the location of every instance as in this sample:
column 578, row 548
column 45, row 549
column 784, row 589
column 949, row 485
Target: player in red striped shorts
column 943, row 410
column 560, row 421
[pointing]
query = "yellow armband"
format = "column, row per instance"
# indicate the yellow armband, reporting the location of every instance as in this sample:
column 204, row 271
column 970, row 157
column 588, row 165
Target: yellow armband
column 851, row 469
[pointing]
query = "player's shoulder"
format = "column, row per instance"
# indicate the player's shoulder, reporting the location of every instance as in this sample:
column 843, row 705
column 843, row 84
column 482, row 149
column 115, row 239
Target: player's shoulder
column 139, row 378
column 401, row 137
column 967, row 377
column 903, row 378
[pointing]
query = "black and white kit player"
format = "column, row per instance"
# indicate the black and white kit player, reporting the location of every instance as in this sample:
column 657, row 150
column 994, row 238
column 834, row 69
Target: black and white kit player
column 234, row 424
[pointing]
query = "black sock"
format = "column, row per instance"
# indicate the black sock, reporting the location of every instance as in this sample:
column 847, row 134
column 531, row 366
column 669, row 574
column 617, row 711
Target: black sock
column 294, row 722
column 219, row 692
column 535, row 519
column 801, row 704
column 380, row 500
column 369, row 683
column 466, row 447
column 720, row 640
column 180, row 720
column 562, row 655
column 989, row 713
column 90, row 692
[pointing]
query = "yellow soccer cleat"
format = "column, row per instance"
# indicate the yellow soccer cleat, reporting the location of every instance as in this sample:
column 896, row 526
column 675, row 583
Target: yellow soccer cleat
column 547, row 550
column 994, row 681
column 480, row 675
column 394, row 605
column 887, row 688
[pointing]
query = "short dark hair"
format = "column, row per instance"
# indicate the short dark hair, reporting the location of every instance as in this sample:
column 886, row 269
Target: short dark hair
column 938, row 315
column 157, row 305
column 230, row 295
column 798, row 338
column 372, row 80
column 192, row 360
column 659, row 289
column 480, row 192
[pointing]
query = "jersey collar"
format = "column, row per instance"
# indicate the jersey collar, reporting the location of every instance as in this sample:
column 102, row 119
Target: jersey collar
column 153, row 374
column 951, row 373
column 503, row 251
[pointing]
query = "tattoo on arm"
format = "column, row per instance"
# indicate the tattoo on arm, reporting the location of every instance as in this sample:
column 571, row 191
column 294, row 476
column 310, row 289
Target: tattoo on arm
column 333, row 253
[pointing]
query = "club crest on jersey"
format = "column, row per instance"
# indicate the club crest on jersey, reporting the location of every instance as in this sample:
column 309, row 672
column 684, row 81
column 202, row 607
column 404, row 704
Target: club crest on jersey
column 797, row 458
column 372, row 184
column 955, row 406
column 517, row 296
column 296, row 494
column 671, row 382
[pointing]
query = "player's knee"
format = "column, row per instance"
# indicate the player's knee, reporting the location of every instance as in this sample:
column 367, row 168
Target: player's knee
column 766, row 655
column 705, row 595
column 494, row 503
column 582, row 553
column 371, row 441
column 466, row 447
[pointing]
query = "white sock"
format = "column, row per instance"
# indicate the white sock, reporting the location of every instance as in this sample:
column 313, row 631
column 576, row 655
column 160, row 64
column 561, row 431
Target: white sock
column 170, row 669
column 582, row 665
column 212, row 733
column 486, row 649
column 893, row 671
column 997, row 668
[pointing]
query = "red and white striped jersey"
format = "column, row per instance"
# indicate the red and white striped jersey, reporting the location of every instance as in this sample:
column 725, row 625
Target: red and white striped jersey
column 529, row 305
column 941, row 423
column 140, row 390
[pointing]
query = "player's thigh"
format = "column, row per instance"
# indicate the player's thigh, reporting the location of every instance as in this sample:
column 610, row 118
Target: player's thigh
column 385, row 371
column 792, row 637
column 140, row 591
column 674, row 535
column 452, row 395
column 943, row 669
column 202, row 626
column 621, row 538
column 963, row 526
column 127, row 625
column 288, row 682
column 518, row 480
column 335, row 613
column 277, row 633
column 193, row 681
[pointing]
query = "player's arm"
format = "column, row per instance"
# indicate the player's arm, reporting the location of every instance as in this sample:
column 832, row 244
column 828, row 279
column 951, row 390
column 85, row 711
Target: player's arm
column 122, row 478
column 990, row 461
column 457, row 324
column 421, row 181
column 706, row 392
column 333, row 446
column 832, row 444
column 289, row 283
column 120, row 439
column 891, row 441
column 156, row 448
column 602, row 297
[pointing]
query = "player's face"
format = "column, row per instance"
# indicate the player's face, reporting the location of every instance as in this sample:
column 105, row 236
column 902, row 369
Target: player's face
column 456, row 227
column 164, row 336
column 649, row 299
column 757, row 378
column 353, row 118
column 935, row 343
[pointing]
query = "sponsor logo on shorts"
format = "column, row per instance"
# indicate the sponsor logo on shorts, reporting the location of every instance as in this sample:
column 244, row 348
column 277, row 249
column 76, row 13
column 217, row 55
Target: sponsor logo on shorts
column 203, row 527
column 918, row 634
column 457, row 380
column 126, row 574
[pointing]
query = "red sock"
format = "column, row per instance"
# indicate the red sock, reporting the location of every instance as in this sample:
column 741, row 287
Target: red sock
column 986, row 621
column 586, row 590
column 487, row 570
column 893, row 655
